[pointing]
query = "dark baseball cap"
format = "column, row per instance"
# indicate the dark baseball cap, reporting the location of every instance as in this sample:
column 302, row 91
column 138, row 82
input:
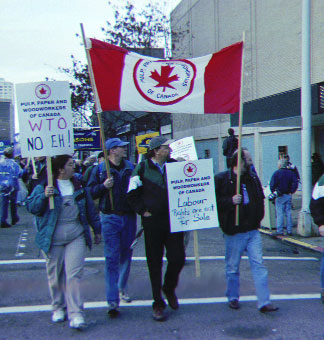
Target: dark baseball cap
column 158, row 141
column 114, row 142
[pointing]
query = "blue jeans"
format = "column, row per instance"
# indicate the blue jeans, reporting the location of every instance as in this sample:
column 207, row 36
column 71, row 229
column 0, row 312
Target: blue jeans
column 235, row 246
column 283, row 208
column 118, row 234
column 5, row 200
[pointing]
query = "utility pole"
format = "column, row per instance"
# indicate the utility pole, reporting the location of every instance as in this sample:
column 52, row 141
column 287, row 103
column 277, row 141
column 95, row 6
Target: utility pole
column 304, row 227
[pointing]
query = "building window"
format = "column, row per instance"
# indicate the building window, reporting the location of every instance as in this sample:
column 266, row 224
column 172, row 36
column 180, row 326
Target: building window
column 320, row 94
column 282, row 151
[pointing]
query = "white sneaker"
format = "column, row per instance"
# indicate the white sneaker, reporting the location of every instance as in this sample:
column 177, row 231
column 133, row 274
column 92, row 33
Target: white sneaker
column 78, row 323
column 124, row 297
column 58, row 316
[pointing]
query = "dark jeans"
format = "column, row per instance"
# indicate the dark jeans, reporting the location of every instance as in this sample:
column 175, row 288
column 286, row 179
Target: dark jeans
column 5, row 200
column 157, row 236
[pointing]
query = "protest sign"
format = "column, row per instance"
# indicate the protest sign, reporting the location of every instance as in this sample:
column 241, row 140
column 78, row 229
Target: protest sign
column 184, row 148
column 45, row 118
column 192, row 201
column 143, row 141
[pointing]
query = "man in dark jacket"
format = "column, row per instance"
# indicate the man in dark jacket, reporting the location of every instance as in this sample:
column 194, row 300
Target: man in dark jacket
column 148, row 196
column 244, row 236
column 118, row 222
column 230, row 144
column 284, row 183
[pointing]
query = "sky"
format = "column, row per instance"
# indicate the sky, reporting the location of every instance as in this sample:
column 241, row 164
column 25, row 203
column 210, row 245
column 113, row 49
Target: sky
column 38, row 36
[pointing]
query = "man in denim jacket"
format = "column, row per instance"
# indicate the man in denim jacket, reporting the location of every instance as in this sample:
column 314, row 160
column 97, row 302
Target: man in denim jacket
column 118, row 221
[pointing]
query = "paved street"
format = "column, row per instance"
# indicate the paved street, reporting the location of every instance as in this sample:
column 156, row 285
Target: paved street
column 203, row 314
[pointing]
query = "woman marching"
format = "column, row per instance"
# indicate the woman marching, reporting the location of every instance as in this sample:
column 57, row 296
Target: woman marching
column 63, row 234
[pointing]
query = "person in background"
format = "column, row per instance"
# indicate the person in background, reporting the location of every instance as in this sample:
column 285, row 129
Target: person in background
column 148, row 196
column 117, row 219
column 230, row 144
column 63, row 234
column 9, row 173
column 284, row 183
column 317, row 211
column 87, row 173
column 292, row 167
column 244, row 236
column 317, row 168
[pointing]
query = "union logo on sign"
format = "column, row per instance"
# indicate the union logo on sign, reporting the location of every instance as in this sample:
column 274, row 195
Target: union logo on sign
column 42, row 91
column 190, row 169
column 164, row 82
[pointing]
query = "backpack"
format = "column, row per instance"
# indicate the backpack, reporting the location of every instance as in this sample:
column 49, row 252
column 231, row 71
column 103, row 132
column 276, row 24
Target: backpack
column 6, row 182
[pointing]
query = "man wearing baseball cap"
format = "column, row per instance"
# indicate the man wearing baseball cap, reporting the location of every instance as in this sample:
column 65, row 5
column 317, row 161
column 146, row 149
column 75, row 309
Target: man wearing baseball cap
column 118, row 220
column 148, row 196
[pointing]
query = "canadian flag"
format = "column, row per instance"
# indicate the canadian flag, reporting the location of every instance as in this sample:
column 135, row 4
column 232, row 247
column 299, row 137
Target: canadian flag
column 127, row 81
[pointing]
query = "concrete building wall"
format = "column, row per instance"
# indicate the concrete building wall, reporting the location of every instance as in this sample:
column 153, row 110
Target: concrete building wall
column 272, row 66
column 273, row 39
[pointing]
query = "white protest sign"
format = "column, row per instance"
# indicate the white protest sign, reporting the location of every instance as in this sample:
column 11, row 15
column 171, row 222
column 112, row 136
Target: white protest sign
column 192, row 200
column 45, row 118
column 184, row 148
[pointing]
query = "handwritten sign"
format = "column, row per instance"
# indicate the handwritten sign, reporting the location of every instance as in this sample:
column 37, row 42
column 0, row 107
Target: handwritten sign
column 192, row 201
column 143, row 141
column 184, row 148
column 45, row 118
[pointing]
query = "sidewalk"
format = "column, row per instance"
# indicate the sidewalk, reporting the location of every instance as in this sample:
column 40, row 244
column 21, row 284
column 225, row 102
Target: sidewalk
column 314, row 243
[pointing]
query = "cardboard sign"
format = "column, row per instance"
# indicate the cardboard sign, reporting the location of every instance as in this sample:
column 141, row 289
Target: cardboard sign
column 184, row 148
column 192, row 200
column 45, row 118
column 143, row 141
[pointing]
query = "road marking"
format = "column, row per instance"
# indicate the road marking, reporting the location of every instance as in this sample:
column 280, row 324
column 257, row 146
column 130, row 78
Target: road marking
column 189, row 258
column 22, row 239
column 148, row 303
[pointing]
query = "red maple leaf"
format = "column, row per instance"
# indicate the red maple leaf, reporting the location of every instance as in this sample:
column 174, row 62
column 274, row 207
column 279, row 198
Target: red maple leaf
column 42, row 91
column 164, row 78
column 190, row 169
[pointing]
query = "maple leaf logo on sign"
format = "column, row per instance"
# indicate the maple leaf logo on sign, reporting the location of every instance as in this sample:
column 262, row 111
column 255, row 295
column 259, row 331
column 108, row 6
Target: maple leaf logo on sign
column 164, row 82
column 190, row 169
column 42, row 91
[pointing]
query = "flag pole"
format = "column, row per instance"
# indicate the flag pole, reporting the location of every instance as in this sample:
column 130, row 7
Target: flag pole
column 97, row 106
column 239, row 150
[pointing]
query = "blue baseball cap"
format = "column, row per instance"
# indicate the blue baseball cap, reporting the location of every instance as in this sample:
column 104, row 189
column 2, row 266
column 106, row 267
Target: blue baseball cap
column 114, row 142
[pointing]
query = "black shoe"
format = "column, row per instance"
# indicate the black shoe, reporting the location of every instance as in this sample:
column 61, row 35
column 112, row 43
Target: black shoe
column 159, row 313
column 268, row 308
column 5, row 225
column 15, row 220
column 289, row 234
column 234, row 304
column 172, row 299
column 113, row 312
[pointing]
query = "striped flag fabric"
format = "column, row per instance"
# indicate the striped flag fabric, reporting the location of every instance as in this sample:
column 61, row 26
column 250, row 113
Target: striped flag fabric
column 127, row 81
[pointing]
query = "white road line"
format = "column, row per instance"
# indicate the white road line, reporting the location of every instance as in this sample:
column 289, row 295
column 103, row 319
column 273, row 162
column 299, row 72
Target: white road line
column 148, row 303
column 139, row 258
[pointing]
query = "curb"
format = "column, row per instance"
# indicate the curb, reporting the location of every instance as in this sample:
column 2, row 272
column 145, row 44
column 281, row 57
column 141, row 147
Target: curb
column 292, row 240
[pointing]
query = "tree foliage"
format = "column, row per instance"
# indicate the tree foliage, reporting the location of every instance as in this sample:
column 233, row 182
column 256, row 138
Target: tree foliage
column 148, row 28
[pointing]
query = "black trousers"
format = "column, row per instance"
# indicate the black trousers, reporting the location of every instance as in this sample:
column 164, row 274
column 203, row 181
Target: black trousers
column 157, row 237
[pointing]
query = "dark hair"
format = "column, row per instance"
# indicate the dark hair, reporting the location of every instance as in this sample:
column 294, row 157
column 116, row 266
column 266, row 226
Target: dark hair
column 151, row 153
column 233, row 161
column 230, row 131
column 58, row 162
column 101, row 154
